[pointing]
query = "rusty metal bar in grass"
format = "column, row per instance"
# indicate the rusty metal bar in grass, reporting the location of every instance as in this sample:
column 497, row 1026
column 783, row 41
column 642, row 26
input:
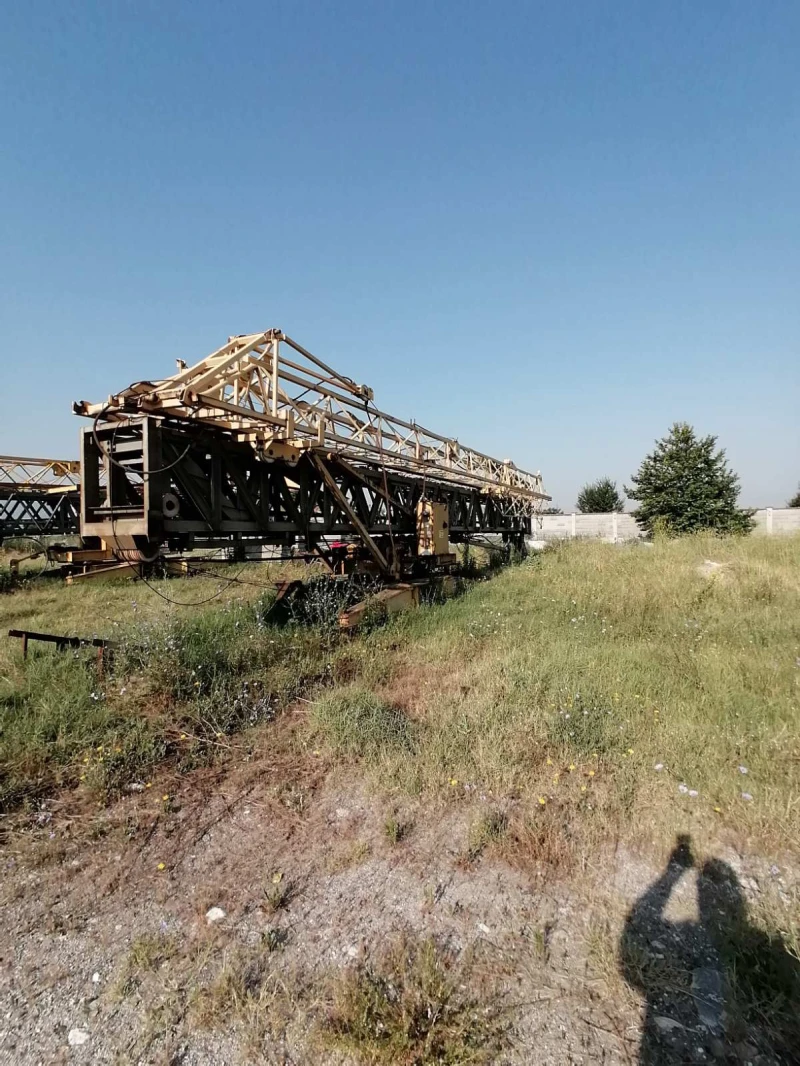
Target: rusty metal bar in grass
column 104, row 647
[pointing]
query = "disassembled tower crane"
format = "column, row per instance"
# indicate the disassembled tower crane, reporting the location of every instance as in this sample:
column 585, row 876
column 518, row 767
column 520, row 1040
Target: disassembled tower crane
column 262, row 442
column 38, row 497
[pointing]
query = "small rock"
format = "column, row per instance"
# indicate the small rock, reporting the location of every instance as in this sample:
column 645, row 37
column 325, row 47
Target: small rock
column 76, row 1037
column 666, row 1025
column 484, row 928
column 746, row 796
column 96, row 978
column 215, row 914
column 342, row 812
column 135, row 786
column 352, row 951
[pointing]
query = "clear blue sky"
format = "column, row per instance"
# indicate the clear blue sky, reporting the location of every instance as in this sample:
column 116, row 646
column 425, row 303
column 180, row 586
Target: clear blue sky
column 550, row 229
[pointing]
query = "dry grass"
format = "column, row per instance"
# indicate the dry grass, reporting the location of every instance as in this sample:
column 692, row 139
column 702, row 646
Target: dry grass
column 417, row 1004
column 573, row 676
column 353, row 853
column 561, row 684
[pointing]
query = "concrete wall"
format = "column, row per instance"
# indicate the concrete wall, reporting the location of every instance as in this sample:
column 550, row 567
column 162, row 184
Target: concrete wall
column 777, row 520
column 615, row 527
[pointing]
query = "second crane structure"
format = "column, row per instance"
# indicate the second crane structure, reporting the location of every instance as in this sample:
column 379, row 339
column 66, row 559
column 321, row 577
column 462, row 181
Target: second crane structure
column 262, row 442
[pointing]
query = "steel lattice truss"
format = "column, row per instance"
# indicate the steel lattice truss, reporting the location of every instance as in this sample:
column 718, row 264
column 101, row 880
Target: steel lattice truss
column 189, row 486
column 267, row 390
column 38, row 496
column 19, row 474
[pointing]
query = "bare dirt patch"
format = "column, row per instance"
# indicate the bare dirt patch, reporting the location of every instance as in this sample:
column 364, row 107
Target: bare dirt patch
column 105, row 930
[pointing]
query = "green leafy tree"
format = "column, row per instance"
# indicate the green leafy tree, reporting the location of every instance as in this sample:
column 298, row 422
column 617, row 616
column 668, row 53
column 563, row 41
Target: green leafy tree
column 600, row 496
column 551, row 510
column 686, row 485
column 795, row 500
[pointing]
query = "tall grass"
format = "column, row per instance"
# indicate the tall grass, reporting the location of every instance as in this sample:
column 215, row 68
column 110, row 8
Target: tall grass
column 178, row 684
column 616, row 682
column 607, row 686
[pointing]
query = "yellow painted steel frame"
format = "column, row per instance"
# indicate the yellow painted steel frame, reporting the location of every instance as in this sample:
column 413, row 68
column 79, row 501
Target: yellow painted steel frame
column 19, row 474
column 266, row 389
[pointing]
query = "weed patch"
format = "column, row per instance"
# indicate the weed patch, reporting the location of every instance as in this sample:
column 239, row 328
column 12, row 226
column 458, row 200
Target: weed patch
column 488, row 829
column 394, row 829
column 413, row 1006
column 355, row 721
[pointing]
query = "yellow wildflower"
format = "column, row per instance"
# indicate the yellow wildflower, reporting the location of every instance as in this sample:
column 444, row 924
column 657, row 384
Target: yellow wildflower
column 277, row 877
column 549, row 761
column 542, row 801
column 149, row 784
column 571, row 767
column 591, row 773
column 453, row 782
column 165, row 797
column 161, row 866
column 583, row 788
column 630, row 751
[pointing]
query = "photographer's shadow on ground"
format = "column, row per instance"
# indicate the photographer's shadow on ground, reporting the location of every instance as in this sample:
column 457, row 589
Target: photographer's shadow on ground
column 718, row 989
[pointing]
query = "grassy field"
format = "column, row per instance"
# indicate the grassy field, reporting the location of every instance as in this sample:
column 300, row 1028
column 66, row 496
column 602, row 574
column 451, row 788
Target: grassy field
column 591, row 701
column 593, row 686
column 636, row 686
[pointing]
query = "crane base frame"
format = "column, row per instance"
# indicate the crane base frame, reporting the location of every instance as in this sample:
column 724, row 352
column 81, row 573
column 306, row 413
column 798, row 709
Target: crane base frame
column 148, row 483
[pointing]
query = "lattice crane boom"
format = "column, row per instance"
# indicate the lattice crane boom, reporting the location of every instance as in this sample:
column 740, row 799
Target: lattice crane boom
column 38, row 496
column 20, row 474
column 267, row 390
